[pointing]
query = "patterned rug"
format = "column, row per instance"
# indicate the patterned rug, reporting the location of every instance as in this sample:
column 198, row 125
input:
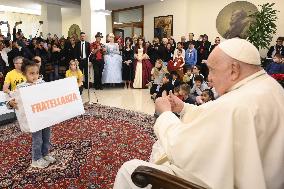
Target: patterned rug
column 89, row 150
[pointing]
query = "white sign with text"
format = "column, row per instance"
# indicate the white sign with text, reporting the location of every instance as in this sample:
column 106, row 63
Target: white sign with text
column 43, row 105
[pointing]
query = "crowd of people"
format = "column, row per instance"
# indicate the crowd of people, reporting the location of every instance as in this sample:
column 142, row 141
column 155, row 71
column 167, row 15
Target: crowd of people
column 128, row 60
column 230, row 142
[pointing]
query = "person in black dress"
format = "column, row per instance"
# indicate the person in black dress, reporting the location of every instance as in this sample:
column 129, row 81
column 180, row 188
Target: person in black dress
column 127, row 63
column 203, row 51
column 70, row 51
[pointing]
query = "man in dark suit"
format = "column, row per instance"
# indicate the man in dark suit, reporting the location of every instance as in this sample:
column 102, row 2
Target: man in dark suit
column 82, row 54
column 16, row 51
column 190, row 40
column 162, row 51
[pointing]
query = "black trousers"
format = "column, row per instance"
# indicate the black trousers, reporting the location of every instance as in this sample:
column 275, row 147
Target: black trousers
column 153, row 89
column 81, row 90
column 98, row 70
column 204, row 70
column 83, row 65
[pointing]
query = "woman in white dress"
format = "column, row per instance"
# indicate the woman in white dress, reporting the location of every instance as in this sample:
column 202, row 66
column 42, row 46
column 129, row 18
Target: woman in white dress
column 112, row 72
column 143, row 66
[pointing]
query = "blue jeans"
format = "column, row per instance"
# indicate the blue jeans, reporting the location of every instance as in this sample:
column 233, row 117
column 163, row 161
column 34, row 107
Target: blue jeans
column 40, row 143
column 54, row 75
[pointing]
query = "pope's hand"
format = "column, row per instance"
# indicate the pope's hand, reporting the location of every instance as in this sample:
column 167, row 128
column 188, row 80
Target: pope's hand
column 176, row 103
column 162, row 104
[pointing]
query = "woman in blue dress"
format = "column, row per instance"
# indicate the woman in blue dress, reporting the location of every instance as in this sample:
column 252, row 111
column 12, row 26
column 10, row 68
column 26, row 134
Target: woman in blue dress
column 113, row 63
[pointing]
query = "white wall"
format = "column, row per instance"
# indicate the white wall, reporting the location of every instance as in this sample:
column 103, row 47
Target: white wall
column 108, row 24
column 35, row 5
column 54, row 19
column 177, row 8
column 73, row 16
column 198, row 16
column 70, row 16
column 29, row 26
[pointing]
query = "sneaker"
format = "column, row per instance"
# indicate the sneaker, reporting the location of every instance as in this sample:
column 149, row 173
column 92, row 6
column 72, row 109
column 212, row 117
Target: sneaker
column 49, row 158
column 41, row 163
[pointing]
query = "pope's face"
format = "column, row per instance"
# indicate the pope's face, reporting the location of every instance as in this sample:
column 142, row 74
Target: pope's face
column 220, row 71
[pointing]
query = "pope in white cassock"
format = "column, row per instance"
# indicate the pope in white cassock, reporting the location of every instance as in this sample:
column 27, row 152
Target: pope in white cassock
column 234, row 142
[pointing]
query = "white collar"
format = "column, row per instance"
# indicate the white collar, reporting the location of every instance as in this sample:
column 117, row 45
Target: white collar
column 247, row 79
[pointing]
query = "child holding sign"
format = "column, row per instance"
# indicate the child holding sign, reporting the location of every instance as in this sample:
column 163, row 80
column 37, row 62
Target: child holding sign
column 40, row 139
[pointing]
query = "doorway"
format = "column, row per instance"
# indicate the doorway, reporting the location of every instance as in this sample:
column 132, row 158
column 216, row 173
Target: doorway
column 129, row 21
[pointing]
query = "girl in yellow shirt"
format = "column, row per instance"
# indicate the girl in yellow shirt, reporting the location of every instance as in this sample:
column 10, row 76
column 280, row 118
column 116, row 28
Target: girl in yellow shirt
column 74, row 71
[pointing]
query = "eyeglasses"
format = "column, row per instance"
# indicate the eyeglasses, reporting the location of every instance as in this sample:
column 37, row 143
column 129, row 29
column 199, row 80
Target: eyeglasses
column 279, row 41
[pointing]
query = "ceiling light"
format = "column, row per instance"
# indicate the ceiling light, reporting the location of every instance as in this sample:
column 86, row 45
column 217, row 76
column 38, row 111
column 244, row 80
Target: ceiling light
column 161, row 0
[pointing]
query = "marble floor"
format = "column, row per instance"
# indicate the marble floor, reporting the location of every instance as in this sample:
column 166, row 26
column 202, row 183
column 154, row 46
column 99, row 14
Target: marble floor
column 130, row 99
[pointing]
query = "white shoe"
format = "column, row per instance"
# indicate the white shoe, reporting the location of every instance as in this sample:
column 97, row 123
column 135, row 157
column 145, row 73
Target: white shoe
column 49, row 158
column 41, row 163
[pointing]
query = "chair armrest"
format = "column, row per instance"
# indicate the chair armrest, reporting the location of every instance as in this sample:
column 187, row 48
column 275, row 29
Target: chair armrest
column 144, row 175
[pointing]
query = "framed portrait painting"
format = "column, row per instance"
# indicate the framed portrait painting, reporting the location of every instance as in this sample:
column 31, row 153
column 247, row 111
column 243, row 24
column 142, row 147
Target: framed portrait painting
column 163, row 26
column 234, row 19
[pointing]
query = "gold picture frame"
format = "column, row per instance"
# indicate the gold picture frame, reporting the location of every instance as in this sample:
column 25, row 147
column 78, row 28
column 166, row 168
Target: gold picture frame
column 163, row 26
column 234, row 20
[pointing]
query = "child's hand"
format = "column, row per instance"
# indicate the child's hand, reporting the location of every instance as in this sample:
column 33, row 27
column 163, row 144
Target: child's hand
column 13, row 104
